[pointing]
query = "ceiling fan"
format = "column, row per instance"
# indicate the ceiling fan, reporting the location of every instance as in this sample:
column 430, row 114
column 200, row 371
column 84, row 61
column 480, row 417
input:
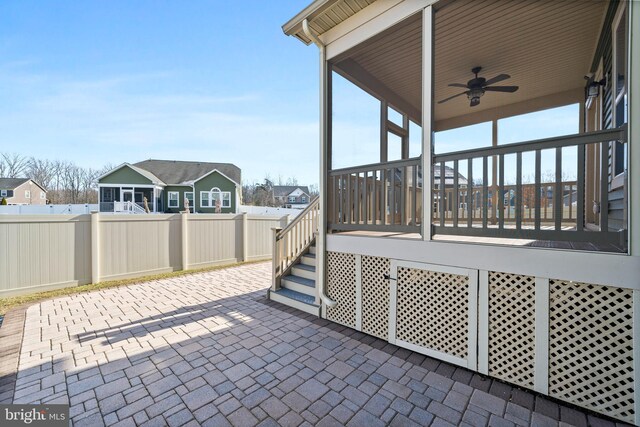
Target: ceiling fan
column 479, row 85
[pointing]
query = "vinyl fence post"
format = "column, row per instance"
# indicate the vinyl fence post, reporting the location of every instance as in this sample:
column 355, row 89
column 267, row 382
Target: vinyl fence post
column 95, row 247
column 245, row 237
column 185, row 240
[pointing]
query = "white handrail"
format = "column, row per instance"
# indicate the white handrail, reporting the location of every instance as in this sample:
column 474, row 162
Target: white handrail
column 291, row 241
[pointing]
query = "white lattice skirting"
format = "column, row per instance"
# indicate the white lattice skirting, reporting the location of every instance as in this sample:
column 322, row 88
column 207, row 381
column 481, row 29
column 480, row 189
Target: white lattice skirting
column 572, row 341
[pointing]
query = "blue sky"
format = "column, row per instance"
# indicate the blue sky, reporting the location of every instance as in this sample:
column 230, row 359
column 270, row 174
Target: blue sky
column 113, row 81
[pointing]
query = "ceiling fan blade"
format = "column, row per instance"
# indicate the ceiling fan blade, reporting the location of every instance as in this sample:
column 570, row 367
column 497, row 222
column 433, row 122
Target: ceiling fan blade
column 454, row 96
column 474, row 102
column 501, row 88
column 458, row 85
column 496, row 79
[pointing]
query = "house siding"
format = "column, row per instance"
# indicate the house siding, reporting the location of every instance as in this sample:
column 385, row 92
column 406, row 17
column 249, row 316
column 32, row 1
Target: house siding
column 181, row 189
column 215, row 180
column 18, row 197
column 125, row 175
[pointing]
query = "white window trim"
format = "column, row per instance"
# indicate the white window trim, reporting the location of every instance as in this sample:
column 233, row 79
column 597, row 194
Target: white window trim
column 191, row 199
column 202, row 204
column 228, row 199
column 42, row 195
column 292, row 199
column 3, row 193
column 27, row 194
column 177, row 200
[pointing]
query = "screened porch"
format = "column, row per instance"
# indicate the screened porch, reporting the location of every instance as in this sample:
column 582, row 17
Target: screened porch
column 529, row 149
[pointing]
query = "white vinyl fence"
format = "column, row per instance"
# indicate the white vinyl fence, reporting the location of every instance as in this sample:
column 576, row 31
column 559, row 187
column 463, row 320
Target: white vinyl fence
column 268, row 210
column 42, row 252
column 48, row 209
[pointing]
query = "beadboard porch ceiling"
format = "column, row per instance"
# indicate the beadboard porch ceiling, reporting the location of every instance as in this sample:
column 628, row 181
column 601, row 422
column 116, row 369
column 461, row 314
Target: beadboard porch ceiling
column 546, row 46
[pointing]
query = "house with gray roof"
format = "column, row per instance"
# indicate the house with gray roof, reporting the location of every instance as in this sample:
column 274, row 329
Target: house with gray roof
column 157, row 186
column 22, row 191
column 291, row 196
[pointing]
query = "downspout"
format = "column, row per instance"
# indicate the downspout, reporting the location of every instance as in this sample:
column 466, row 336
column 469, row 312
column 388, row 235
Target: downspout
column 321, row 237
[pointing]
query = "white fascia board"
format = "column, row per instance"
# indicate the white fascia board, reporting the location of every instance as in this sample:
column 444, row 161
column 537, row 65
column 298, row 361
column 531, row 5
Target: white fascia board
column 210, row 172
column 370, row 21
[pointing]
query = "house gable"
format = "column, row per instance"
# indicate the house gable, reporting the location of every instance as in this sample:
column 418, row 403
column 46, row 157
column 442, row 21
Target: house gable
column 218, row 180
column 125, row 174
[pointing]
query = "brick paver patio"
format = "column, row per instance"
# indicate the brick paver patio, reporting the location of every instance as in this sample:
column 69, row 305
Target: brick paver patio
column 208, row 349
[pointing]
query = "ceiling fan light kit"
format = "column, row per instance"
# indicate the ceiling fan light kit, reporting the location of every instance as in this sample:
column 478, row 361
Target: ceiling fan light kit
column 477, row 87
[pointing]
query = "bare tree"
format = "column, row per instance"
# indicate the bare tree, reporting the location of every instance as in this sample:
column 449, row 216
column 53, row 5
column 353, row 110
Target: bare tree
column 15, row 165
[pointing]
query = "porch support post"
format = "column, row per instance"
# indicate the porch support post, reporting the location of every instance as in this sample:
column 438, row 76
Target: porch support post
column 633, row 137
column 427, row 118
column 633, row 172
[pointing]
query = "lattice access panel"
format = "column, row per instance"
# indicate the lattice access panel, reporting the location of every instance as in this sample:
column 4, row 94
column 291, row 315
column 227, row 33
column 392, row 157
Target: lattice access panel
column 512, row 328
column 341, row 287
column 375, row 296
column 591, row 347
column 432, row 310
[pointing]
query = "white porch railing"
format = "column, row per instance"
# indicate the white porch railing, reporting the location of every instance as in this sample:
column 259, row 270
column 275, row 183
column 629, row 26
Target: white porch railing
column 541, row 210
column 128, row 207
column 377, row 197
column 291, row 242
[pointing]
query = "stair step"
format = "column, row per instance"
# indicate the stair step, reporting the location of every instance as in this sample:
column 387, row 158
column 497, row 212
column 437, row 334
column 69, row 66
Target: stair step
column 308, row 259
column 296, row 300
column 299, row 284
column 304, row 270
column 312, row 249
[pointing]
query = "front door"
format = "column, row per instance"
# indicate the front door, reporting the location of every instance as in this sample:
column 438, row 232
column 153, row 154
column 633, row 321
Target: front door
column 127, row 195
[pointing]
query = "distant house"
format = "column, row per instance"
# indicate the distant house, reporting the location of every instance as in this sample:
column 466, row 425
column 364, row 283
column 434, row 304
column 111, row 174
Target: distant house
column 167, row 183
column 291, row 196
column 22, row 191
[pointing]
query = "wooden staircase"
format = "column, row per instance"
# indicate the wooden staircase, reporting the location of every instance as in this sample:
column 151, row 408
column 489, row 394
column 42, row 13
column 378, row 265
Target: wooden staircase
column 294, row 262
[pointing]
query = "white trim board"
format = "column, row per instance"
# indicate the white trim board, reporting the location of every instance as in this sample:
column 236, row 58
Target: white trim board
column 370, row 21
column 589, row 267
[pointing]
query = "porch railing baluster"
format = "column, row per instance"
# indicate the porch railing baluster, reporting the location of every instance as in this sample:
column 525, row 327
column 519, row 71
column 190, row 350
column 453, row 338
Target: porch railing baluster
column 485, row 191
column 604, row 186
column 415, row 196
column 537, row 188
column 470, row 198
column 442, row 205
column 518, row 191
column 456, row 192
column 558, row 199
column 501, row 192
column 365, row 199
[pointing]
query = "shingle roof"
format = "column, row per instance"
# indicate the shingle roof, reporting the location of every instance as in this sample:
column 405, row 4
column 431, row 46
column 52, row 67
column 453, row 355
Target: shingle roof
column 11, row 183
column 284, row 190
column 175, row 172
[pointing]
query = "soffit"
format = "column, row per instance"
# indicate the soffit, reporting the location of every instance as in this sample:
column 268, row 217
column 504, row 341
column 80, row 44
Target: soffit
column 546, row 46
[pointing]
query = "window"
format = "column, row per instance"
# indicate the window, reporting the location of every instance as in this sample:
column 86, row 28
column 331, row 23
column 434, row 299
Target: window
column 188, row 195
column 204, row 199
column 27, row 194
column 226, row 199
column 42, row 195
column 174, row 199
column 303, row 199
column 3, row 193
column 208, row 199
column 292, row 199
